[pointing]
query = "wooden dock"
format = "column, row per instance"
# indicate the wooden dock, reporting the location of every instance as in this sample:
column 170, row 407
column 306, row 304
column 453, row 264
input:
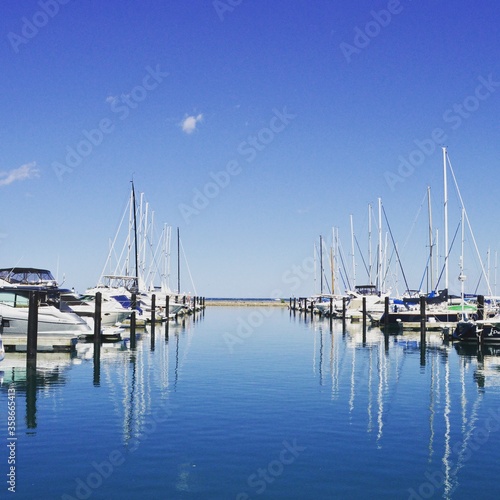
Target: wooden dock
column 46, row 343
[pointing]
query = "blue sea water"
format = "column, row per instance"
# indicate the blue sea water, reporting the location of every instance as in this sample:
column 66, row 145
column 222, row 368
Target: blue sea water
column 254, row 402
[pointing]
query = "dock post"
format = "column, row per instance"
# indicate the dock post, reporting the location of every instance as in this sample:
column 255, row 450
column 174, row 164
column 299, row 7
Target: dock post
column 422, row 318
column 133, row 305
column 386, row 325
column 344, row 300
column 312, row 309
column 331, row 307
column 97, row 338
column 32, row 342
column 167, row 307
column 364, row 320
column 97, row 318
column 31, row 349
column 386, row 313
column 153, row 321
column 294, row 305
column 480, row 307
column 153, row 313
column 422, row 331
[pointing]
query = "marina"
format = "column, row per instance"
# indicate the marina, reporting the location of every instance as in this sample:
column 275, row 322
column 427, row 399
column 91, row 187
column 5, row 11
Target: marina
column 199, row 409
column 249, row 250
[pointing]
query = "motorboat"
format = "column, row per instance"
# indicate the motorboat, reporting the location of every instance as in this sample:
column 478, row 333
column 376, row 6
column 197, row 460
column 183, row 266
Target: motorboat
column 14, row 309
column 113, row 311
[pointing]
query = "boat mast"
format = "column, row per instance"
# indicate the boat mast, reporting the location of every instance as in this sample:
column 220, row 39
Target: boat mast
column 353, row 258
column 461, row 276
column 332, row 261
column 379, row 264
column 321, row 263
column 431, row 242
column 135, row 240
column 178, row 262
column 437, row 256
column 370, row 259
column 446, row 249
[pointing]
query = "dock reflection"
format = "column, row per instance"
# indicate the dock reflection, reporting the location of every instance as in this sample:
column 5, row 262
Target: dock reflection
column 365, row 369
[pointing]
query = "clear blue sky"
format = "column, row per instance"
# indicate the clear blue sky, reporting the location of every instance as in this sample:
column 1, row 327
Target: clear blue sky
column 309, row 108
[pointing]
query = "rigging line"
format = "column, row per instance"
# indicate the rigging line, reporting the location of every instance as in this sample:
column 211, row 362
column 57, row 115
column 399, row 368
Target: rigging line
column 478, row 283
column 415, row 221
column 343, row 280
column 362, row 258
column 343, row 265
column 395, row 248
column 469, row 225
column 448, row 255
column 187, row 266
column 389, row 262
column 426, row 270
column 111, row 250
column 323, row 272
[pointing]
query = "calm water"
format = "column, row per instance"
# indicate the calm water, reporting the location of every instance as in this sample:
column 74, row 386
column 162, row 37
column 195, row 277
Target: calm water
column 254, row 403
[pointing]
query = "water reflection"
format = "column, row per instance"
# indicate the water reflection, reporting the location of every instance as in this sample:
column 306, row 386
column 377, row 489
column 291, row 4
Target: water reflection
column 367, row 368
column 50, row 370
column 128, row 374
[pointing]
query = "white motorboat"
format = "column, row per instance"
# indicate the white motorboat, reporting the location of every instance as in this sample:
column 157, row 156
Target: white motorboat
column 14, row 309
column 112, row 311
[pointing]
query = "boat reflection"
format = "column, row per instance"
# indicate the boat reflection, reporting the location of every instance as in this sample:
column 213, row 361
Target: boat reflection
column 485, row 360
column 366, row 368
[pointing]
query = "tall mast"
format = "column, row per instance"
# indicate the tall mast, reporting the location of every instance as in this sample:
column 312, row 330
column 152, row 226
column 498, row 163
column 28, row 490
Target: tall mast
column 437, row 256
column 431, row 242
column 446, row 249
column 332, row 261
column 370, row 260
column 135, row 239
column 178, row 262
column 353, row 258
column 379, row 270
column 461, row 277
column 321, row 263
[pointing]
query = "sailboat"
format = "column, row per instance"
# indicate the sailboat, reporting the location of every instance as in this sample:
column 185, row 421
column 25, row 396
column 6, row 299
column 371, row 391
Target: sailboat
column 122, row 282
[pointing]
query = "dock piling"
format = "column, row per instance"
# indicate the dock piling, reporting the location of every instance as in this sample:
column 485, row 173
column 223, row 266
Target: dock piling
column 386, row 313
column 32, row 343
column 423, row 320
column 364, row 313
column 133, row 305
column 153, row 313
column 97, row 318
column 480, row 307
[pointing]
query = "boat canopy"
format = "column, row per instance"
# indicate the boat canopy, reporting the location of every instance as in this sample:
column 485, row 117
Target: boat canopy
column 27, row 276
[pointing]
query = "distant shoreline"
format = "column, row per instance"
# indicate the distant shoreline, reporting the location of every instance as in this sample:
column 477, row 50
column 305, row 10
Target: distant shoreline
column 245, row 302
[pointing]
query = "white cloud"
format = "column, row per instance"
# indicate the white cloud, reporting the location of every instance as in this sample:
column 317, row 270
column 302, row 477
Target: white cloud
column 27, row 171
column 189, row 123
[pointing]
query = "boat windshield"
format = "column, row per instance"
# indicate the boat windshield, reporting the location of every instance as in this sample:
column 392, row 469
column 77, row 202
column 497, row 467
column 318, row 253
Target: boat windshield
column 26, row 276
